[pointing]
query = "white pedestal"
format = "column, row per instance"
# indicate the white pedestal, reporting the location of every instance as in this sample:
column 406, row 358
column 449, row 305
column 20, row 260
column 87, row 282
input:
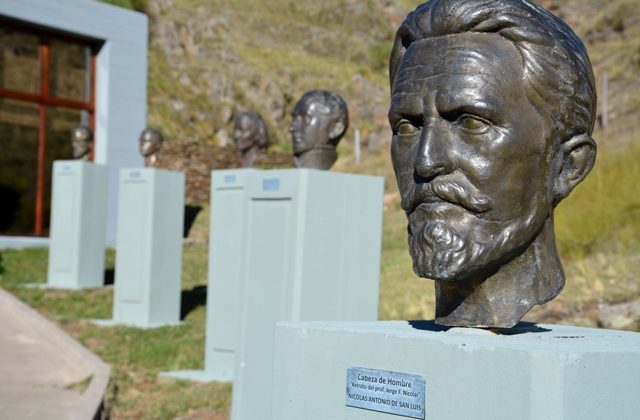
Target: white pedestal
column 549, row 372
column 311, row 251
column 226, row 260
column 78, row 217
column 324, row 217
column 149, row 248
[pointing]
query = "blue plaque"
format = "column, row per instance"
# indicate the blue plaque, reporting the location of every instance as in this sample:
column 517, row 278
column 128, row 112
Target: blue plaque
column 134, row 174
column 390, row 392
column 271, row 184
column 229, row 179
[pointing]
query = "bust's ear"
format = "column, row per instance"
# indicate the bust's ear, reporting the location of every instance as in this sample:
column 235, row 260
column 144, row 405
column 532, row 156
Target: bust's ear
column 336, row 130
column 577, row 156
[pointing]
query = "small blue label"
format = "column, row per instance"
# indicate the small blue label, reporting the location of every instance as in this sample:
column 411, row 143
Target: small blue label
column 272, row 184
column 66, row 168
column 134, row 174
column 229, row 179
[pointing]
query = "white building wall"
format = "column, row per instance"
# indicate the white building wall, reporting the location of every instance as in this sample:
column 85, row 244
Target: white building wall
column 121, row 76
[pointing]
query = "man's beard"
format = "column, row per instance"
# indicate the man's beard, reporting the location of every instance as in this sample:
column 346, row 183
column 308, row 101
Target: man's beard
column 449, row 240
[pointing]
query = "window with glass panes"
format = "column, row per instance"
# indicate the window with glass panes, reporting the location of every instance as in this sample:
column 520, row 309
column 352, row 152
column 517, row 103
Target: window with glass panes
column 46, row 89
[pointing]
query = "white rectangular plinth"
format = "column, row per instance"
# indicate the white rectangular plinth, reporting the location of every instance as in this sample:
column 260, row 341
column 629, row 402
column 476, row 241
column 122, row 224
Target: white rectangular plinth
column 311, row 251
column 226, row 260
column 149, row 248
column 290, row 244
column 536, row 372
column 78, row 217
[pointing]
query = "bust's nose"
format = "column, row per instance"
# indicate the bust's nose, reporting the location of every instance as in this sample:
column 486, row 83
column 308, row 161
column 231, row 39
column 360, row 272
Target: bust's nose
column 434, row 153
column 294, row 125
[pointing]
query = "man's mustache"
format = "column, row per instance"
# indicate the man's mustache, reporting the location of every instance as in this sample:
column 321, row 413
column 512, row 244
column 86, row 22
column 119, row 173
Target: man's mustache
column 452, row 191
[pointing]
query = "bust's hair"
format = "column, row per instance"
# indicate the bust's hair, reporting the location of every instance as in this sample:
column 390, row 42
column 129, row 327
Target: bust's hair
column 560, row 82
column 152, row 136
column 337, row 108
column 258, row 127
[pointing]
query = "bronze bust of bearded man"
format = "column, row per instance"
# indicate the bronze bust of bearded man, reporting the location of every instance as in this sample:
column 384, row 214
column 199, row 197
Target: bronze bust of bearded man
column 492, row 110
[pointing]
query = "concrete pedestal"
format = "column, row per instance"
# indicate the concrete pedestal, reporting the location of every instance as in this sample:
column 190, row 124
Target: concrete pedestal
column 78, row 218
column 303, row 244
column 226, row 261
column 533, row 372
column 312, row 252
column 149, row 248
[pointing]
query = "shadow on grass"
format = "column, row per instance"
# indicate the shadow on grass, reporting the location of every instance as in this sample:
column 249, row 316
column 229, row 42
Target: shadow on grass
column 191, row 299
column 109, row 276
column 190, row 214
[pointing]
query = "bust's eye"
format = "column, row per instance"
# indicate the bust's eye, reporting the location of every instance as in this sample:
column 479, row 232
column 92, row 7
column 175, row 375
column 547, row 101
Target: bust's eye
column 473, row 124
column 405, row 128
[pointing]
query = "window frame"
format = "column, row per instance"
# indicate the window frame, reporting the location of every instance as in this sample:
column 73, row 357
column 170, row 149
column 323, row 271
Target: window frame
column 44, row 100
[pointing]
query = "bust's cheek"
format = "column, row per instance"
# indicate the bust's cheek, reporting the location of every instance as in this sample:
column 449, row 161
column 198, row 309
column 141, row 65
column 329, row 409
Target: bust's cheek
column 403, row 148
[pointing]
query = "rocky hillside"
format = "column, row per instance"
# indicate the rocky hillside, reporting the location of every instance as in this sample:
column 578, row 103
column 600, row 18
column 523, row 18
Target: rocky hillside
column 211, row 58
column 611, row 32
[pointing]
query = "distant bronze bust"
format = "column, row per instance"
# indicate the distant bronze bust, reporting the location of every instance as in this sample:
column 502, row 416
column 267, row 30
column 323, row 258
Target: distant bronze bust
column 492, row 110
column 250, row 136
column 150, row 143
column 320, row 119
column 81, row 139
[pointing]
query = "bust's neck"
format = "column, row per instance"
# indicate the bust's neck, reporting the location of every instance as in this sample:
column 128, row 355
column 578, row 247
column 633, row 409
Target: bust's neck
column 150, row 160
column 249, row 156
column 501, row 300
column 85, row 156
column 320, row 157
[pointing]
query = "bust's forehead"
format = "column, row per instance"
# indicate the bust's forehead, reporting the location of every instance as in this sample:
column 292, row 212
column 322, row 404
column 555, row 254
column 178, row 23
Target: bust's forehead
column 483, row 72
column 311, row 104
column 482, row 54
column 150, row 136
column 81, row 132
column 244, row 121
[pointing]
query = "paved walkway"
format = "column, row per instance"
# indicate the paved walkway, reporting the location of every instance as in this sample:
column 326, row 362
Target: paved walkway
column 44, row 373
